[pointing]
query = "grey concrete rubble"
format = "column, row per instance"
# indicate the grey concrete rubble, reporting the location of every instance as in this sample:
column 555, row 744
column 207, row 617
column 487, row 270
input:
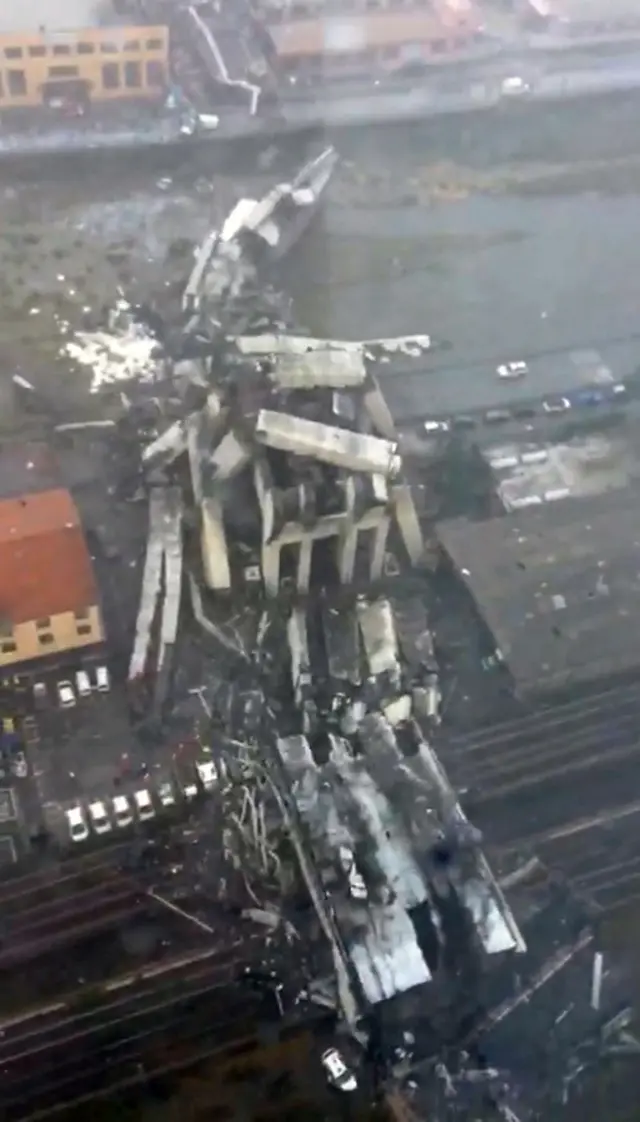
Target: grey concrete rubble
column 256, row 229
column 547, row 1032
column 327, row 443
column 383, row 832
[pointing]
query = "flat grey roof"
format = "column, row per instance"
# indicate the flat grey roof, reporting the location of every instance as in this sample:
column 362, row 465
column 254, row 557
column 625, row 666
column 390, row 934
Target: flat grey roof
column 50, row 14
column 557, row 585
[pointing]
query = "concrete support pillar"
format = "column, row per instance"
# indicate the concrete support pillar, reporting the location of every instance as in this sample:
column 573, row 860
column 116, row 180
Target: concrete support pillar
column 271, row 568
column 347, row 547
column 408, row 523
column 378, row 411
column 378, row 547
column 305, row 554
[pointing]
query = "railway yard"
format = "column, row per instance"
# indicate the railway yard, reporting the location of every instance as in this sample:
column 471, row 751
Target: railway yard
column 355, row 819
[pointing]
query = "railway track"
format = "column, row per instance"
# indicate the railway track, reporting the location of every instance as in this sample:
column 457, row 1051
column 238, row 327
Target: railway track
column 537, row 749
column 63, row 877
column 126, row 1040
column 598, row 854
column 40, row 919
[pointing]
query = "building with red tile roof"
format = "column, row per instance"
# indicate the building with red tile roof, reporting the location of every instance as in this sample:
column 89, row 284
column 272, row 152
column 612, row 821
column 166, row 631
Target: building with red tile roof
column 49, row 601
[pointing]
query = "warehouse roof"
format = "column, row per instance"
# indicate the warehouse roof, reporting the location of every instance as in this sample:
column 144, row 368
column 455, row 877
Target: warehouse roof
column 45, row 567
column 558, row 586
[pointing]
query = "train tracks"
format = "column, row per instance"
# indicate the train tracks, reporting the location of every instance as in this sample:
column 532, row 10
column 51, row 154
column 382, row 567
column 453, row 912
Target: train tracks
column 546, row 746
column 49, row 909
column 599, row 854
column 558, row 783
column 141, row 1027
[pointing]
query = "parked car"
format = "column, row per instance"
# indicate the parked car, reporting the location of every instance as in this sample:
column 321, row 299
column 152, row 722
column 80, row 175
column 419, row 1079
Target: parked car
column 19, row 765
column 102, row 679
column 556, row 404
column 122, row 811
column 83, row 685
column 338, row 1074
column 190, row 791
column 77, row 823
column 431, row 427
column 497, row 416
column 515, row 87
column 144, row 804
column 512, row 370
column 207, row 774
column 66, row 696
column 40, row 695
column 166, row 794
column 99, row 817
column 30, row 731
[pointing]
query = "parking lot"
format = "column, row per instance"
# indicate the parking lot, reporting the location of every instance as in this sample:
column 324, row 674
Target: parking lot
column 74, row 767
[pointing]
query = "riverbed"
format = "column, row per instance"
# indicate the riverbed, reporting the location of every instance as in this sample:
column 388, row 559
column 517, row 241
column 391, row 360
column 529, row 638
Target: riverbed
column 502, row 238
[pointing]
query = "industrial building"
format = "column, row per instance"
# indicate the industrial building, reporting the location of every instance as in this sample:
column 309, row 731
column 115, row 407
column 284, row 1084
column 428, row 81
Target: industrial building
column 81, row 63
column 49, row 604
column 557, row 586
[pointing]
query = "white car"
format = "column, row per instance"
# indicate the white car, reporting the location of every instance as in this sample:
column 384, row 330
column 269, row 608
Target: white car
column 190, row 791
column 19, row 765
column 512, row 370
column 556, row 404
column 99, row 818
column 144, row 804
column 357, row 886
column 166, row 794
column 431, row 427
column 337, row 1071
column 83, row 685
column 122, row 811
column 77, row 823
column 66, row 696
column 515, row 86
column 207, row 774
column 103, row 681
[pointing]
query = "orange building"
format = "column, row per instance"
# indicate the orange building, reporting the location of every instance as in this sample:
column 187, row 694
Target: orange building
column 49, row 601
column 95, row 64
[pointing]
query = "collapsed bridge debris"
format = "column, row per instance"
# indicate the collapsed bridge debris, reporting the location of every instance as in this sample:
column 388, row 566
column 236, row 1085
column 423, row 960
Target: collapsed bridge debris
column 256, row 231
column 296, row 501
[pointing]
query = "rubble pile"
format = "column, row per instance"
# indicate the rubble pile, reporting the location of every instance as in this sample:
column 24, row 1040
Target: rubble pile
column 548, row 1028
column 125, row 350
